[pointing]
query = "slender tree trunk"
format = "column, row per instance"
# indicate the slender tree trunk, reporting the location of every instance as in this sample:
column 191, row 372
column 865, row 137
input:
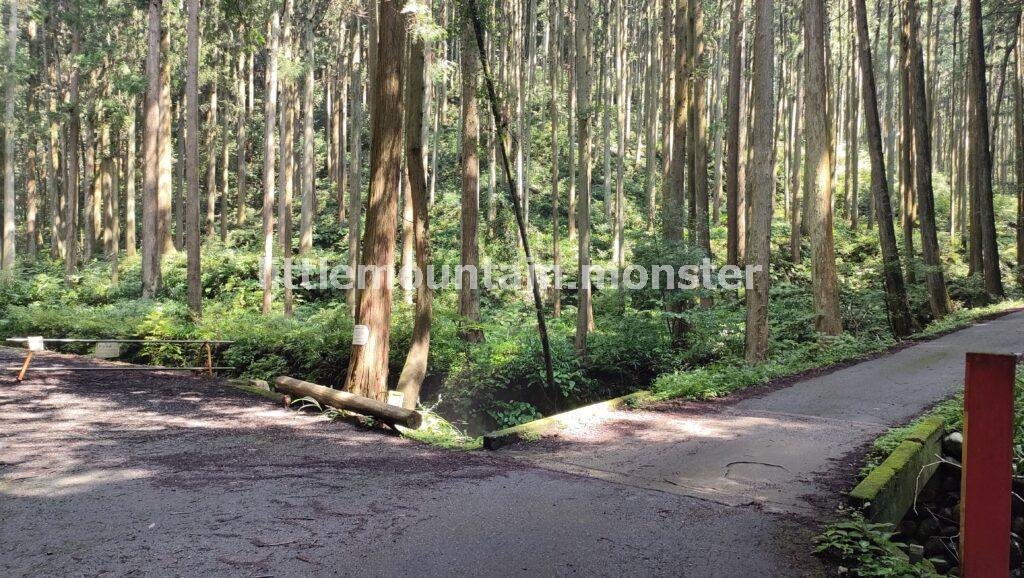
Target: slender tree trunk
column 368, row 365
column 1018, row 125
column 908, row 185
column 308, row 174
column 619, row 216
column 355, row 198
column 129, row 183
column 980, row 154
column 762, row 183
column 165, row 188
column 698, row 148
column 584, row 60
column 11, row 97
column 415, row 368
column 210, row 130
column 151, row 158
column 673, row 215
column 553, row 71
column 818, row 182
column 269, row 188
column 242, row 144
column 192, row 216
column 469, row 292
column 937, row 296
column 286, row 144
column 900, row 320
column 735, row 149
column 795, row 158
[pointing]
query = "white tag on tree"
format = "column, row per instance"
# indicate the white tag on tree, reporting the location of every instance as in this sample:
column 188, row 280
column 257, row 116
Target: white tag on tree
column 35, row 343
column 107, row 350
column 360, row 335
column 395, row 398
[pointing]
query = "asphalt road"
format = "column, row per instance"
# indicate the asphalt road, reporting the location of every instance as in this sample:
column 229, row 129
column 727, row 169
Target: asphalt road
column 159, row 474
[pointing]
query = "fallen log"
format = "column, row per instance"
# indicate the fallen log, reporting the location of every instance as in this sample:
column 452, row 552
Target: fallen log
column 345, row 400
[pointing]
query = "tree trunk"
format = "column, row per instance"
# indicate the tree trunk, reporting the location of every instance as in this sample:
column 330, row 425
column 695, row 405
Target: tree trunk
column 795, row 158
column 735, row 149
column 698, row 145
column 673, row 216
column 908, row 185
column 553, row 72
column 368, row 365
column 151, row 243
column 415, row 368
column 817, row 180
column 355, row 198
column 192, row 223
column 9, row 130
column 129, row 184
column 242, row 144
column 1018, row 125
column 286, row 143
column 937, row 296
column 980, row 154
column 308, row 174
column 762, row 183
column 269, row 188
column 210, row 129
column 584, row 318
column 900, row 321
column 469, row 292
column 165, row 188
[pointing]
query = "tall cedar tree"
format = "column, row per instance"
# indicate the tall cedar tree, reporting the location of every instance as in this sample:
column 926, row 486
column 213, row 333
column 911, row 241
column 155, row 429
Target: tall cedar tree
column 368, row 364
column 900, row 320
column 762, row 182
column 818, row 179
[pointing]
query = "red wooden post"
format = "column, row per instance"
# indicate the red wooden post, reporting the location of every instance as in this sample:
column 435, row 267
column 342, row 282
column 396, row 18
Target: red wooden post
column 987, row 466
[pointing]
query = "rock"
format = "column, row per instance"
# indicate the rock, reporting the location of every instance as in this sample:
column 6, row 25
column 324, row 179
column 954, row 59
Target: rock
column 956, row 511
column 1016, row 553
column 951, row 484
column 915, row 552
column 927, row 528
column 907, row 528
column 950, row 531
column 1017, row 527
column 953, row 445
column 935, row 548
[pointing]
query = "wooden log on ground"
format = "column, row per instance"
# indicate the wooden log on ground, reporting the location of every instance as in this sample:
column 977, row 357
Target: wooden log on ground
column 345, row 400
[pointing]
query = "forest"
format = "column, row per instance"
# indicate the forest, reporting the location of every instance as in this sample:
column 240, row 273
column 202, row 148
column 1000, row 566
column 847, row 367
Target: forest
column 162, row 160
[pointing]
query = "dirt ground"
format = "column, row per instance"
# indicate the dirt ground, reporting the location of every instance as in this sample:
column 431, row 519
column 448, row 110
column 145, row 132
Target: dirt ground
column 165, row 474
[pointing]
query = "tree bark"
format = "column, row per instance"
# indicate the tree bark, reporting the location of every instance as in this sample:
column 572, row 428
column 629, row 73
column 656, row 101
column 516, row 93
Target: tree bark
column 368, row 365
column 762, row 183
column 735, row 132
column 165, row 188
column 931, row 256
column 269, row 188
column 818, row 181
column 980, row 154
column 10, row 128
column 308, row 174
column 151, row 158
column 355, row 198
column 469, row 292
column 286, row 143
column 900, row 321
column 192, row 223
column 415, row 368
column 584, row 317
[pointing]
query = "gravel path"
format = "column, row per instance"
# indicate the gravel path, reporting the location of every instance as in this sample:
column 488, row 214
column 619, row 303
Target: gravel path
column 163, row 474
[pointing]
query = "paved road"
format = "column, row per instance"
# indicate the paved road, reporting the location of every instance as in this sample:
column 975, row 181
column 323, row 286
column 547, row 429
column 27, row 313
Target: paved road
column 161, row 474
